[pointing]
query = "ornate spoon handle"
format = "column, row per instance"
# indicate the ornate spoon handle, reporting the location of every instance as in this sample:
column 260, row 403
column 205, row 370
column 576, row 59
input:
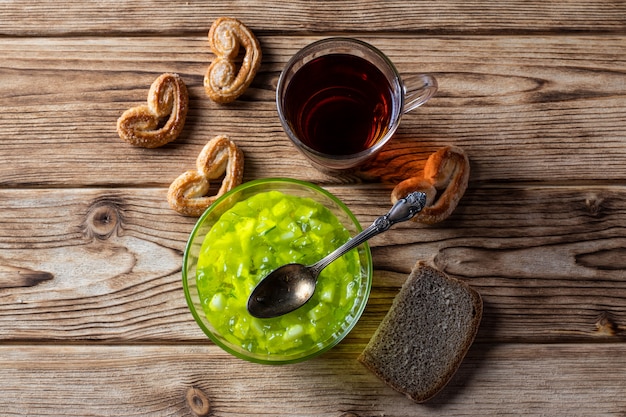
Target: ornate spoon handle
column 403, row 210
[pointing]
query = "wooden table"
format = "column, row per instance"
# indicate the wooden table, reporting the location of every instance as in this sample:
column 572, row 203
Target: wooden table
column 93, row 320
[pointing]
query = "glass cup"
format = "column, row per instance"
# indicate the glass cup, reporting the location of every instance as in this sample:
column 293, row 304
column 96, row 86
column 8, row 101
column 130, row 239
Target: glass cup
column 340, row 101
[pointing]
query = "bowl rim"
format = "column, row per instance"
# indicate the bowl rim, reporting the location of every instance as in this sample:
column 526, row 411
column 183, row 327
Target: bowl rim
column 368, row 268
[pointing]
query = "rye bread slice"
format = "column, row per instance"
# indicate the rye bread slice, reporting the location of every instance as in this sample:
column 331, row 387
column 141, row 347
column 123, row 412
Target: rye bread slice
column 425, row 335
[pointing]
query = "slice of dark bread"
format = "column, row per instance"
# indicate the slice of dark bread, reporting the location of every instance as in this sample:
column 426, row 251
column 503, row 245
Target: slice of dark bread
column 425, row 335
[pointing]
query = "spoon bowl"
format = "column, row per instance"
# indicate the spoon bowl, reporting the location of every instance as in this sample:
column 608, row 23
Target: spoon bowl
column 288, row 288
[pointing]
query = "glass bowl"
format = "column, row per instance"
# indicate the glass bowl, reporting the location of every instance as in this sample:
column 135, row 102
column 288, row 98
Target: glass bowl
column 252, row 230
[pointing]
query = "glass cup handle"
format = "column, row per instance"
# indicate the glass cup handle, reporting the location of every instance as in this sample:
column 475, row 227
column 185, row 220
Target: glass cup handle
column 418, row 89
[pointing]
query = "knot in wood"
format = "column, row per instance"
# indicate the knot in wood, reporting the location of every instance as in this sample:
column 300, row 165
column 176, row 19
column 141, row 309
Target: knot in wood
column 605, row 324
column 593, row 205
column 102, row 220
column 198, row 402
column 349, row 415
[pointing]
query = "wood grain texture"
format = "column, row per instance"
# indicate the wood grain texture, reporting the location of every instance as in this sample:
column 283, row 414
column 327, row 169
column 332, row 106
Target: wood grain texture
column 547, row 110
column 93, row 320
column 154, row 380
column 106, row 264
column 34, row 18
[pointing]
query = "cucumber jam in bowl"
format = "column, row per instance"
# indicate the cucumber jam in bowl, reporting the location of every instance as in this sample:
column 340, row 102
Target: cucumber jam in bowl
column 254, row 229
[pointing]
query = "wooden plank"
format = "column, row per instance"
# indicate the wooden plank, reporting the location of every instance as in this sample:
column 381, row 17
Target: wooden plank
column 93, row 320
column 110, row 17
column 546, row 105
column 105, row 264
column 494, row 380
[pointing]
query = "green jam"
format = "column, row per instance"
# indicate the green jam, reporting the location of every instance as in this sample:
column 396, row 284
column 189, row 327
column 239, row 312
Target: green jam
column 252, row 239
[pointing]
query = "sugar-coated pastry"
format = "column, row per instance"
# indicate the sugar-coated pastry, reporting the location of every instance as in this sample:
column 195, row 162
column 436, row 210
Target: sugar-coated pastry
column 219, row 157
column 161, row 120
column 444, row 181
column 222, row 82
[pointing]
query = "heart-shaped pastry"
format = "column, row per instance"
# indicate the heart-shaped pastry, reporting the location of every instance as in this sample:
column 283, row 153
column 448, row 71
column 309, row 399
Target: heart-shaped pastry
column 444, row 181
column 161, row 120
column 222, row 82
column 220, row 156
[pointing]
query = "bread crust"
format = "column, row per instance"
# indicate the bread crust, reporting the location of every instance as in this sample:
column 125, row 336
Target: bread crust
column 389, row 351
column 444, row 180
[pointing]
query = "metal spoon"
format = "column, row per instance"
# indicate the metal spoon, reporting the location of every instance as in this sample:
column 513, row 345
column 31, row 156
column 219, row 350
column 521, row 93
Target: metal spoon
column 291, row 286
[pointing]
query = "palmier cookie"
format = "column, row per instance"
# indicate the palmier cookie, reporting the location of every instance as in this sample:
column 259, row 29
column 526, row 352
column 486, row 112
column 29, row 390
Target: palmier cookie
column 222, row 82
column 161, row 120
column 444, row 180
column 188, row 193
